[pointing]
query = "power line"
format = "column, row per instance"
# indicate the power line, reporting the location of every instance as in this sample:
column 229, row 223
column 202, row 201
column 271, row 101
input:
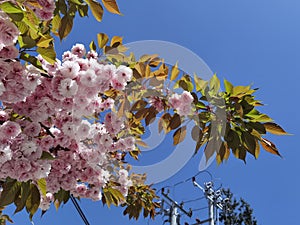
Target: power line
column 193, row 200
column 188, row 179
column 173, row 211
column 199, row 209
column 79, row 210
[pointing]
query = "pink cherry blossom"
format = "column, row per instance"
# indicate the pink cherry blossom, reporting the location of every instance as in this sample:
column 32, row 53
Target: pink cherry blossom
column 70, row 69
column 8, row 32
column 9, row 130
column 9, row 52
column 68, row 87
column 124, row 73
column 78, row 50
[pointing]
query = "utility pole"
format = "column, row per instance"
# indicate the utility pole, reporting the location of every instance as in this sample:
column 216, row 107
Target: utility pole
column 215, row 201
column 173, row 214
column 211, row 212
column 174, row 217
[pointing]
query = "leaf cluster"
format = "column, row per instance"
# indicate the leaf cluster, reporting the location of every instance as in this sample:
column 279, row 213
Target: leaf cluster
column 22, row 194
column 225, row 121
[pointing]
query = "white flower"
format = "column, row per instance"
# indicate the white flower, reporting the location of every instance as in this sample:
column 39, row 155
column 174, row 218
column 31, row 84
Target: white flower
column 124, row 73
column 78, row 50
column 88, row 78
column 2, row 88
column 5, row 154
column 28, row 148
column 69, row 129
column 70, row 69
column 83, row 130
column 123, row 173
column 68, row 87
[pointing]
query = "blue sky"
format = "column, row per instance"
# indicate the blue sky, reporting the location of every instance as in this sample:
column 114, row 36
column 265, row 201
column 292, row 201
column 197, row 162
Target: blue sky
column 245, row 42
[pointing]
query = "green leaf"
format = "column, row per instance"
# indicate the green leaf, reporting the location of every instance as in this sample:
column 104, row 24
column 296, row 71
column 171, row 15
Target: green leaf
column 214, row 84
column 48, row 54
column 47, row 156
column 55, row 24
column 240, row 153
column 33, row 201
column 32, row 22
column 11, row 189
column 233, row 139
column 116, row 194
column 179, row 135
column 61, row 196
column 83, row 10
column 163, row 123
column 21, row 201
column 197, row 133
column 62, row 6
column 16, row 16
column 78, row 2
column 274, row 128
column 44, row 42
column 150, row 118
column 93, row 46
column 175, row 72
column 23, row 28
column 257, row 149
column 211, row 148
column 200, row 105
column 111, row 6
column 42, row 184
column 249, row 142
column 200, row 83
column 240, row 91
column 26, row 42
column 5, row 217
column 175, row 121
column 228, row 87
column 259, row 127
column 186, row 83
column 256, row 116
column 31, row 59
column 220, row 154
column 140, row 104
column 96, row 8
column 65, row 26
column 116, row 41
column 102, row 39
column 108, row 197
column 9, row 7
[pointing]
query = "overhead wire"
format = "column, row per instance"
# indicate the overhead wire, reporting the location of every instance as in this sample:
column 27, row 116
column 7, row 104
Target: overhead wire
column 79, row 210
column 199, row 209
column 188, row 179
column 193, row 200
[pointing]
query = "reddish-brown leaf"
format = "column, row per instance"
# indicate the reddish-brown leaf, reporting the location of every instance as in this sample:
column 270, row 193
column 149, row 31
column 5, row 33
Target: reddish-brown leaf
column 269, row 147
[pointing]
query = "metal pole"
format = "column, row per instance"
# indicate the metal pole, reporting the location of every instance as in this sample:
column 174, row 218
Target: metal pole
column 211, row 212
column 174, row 215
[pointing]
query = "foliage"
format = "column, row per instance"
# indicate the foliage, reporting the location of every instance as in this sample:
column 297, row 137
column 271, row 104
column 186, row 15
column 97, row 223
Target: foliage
column 238, row 212
column 223, row 121
column 4, row 218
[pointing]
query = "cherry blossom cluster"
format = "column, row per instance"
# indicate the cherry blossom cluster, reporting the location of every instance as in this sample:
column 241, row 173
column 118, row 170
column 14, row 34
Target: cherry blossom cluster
column 43, row 10
column 8, row 37
column 64, row 114
column 182, row 103
column 59, row 125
